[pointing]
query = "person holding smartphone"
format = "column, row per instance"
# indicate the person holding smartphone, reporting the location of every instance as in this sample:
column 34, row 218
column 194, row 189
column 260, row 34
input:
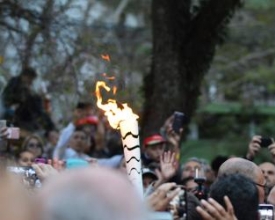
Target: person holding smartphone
column 257, row 143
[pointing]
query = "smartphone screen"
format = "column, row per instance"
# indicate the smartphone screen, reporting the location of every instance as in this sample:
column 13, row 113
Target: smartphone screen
column 266, row 212
column 178, row 122
column 13, row 133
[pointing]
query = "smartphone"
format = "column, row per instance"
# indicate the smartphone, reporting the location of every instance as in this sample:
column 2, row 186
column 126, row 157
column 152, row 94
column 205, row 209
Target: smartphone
column 179, row 120
column 13, row 133
column 266, row 212
column 3, row 123
column 266, row 141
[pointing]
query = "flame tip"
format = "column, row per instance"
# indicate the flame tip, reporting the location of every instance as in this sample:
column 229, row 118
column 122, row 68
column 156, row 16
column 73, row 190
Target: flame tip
column 116, row 112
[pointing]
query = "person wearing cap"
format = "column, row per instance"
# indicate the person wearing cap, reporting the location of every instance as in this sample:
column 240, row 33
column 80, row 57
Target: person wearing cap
column 148, row 177
column 80, row 115
column 153, row 149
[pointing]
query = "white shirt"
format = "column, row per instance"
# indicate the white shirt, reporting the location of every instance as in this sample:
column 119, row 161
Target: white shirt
column 63, row 141
column 72, row 154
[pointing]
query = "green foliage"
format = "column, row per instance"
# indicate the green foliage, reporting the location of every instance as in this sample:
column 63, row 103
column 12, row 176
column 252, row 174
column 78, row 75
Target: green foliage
column 209, row 149
column 259, row 4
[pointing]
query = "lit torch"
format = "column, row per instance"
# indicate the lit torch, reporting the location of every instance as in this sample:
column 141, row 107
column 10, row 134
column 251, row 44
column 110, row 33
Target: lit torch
column 121, row 116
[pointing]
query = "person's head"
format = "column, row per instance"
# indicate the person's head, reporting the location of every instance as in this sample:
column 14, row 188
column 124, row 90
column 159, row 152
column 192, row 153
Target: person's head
column 148, row 177
column 52, row 136
column 242, row 193
column 190, row 166
column 90, row 193
column 268, row 170
column 25, row 158
column 154, row 146
column 217, row 162
column 190, row 184
column 246, row 168
column 27, row 75
column 34, row 144
column 83, row 110
column 78, row 140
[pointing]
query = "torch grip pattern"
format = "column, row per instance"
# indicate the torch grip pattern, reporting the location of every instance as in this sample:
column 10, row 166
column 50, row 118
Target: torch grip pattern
column 131, row 148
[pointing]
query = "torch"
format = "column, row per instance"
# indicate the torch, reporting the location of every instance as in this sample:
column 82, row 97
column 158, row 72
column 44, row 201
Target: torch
column 121, row 117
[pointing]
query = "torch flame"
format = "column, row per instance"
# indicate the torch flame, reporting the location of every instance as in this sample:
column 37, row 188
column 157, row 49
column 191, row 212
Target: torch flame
column 114, row 111
column 106, row 57
column 114, row 89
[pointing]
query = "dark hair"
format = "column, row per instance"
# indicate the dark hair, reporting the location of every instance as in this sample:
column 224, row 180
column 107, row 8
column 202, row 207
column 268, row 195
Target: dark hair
column 83, row 105
column 217, row 162
column 18, row 154
column 29, row 71
column 242, row 193
column 47, row 132
column 80, row 128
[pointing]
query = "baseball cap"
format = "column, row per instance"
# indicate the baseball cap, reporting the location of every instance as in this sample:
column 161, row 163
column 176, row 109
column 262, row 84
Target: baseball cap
column 90, row 120
column 153, row 139
column 147, row 171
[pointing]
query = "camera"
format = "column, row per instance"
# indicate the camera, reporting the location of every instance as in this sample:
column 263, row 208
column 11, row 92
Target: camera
column 179, row 120
column 13, row 132
column 28, row 174
column 266, row 141
column 178, row 205
column 266, row 212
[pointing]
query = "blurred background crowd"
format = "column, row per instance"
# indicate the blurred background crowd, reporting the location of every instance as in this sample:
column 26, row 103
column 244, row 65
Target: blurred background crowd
column 200, row 76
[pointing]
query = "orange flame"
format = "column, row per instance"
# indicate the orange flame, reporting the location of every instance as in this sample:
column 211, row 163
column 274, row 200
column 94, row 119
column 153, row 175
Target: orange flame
column 114, row 111
column 105, row 57
column 114, row 89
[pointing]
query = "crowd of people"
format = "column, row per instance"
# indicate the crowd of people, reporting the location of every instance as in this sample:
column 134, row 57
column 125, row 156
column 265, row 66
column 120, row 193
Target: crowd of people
column 79, row 172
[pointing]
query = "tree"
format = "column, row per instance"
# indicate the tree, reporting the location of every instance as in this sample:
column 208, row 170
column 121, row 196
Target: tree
column 185, row 36
column 63, row 41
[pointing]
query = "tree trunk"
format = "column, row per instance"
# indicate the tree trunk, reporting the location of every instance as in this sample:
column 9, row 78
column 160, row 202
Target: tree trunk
column 183, row 47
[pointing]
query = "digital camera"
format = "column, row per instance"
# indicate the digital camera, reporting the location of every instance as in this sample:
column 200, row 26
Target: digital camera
column 28, row 174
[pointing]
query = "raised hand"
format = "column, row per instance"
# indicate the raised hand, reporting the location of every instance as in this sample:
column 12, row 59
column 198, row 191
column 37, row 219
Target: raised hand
column 159, row 200
column 214, row 211
column 253, row 147
column 4, row 133
column 167, row 165
column 44, row 171
column 59, row 165
column 172, row 137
